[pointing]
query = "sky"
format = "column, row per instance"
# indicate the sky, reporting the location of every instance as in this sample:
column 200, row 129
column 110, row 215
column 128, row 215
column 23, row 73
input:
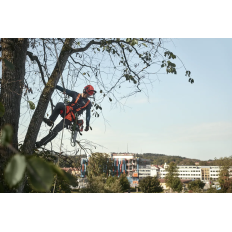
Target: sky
column 178, row 118
column 174, row 117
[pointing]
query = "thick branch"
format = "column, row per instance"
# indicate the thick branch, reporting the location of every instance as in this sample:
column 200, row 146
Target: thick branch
column 83, row 65
column 86, row 47
column 92, row 42
column 45, row 96
column 35, row 58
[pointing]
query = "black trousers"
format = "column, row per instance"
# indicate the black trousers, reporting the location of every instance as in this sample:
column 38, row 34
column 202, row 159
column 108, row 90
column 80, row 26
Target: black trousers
column 59, row 106
column 59, row 127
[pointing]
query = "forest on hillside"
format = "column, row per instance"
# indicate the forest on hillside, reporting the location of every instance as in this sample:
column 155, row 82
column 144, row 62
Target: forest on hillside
column 156, row 159
column 159, row 159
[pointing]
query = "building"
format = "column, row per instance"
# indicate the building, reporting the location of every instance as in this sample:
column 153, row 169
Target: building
column 144, row 168
column 84, row 163
column 125, row 163
column 155, row 170
column 73, row 171
column 203, row 173
column 135, row 168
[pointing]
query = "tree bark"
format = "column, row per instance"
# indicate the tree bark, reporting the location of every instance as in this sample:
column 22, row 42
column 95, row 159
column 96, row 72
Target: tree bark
column 34, row 126
column 13, row 50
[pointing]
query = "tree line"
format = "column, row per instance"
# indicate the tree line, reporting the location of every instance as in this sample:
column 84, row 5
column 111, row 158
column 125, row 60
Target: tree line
column 160, row 159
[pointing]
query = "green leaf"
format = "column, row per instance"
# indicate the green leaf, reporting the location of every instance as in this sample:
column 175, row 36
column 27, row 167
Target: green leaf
column 71, row 179
column 40, row 173
column 15, row 169
column 188, row 73
column 6, row 135
column 2, row 109
column 57, row 170
column 32, row 105
column 8, row 64
column 66, row 176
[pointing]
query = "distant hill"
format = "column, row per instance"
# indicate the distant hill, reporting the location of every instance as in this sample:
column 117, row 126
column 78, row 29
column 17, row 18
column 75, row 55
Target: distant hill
column 159, row 159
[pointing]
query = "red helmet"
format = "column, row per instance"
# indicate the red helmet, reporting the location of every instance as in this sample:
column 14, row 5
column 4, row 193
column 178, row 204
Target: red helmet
column 89, row 90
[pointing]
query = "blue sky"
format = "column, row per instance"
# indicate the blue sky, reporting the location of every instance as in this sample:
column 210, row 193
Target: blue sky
column 176, row 118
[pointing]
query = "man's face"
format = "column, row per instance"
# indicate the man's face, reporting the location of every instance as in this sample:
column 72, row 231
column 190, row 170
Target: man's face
column 85, row 95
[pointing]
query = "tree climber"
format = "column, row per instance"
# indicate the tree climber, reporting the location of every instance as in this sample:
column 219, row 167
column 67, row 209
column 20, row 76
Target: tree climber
column 79, row 104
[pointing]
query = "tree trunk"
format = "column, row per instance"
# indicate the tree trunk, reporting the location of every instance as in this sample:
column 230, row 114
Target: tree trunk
column 33, row 129
column 13, row 50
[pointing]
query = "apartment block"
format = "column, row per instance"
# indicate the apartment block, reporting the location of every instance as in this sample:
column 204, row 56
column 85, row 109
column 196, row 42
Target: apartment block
column 134, row 167
column 204, row 173
column 125, row 163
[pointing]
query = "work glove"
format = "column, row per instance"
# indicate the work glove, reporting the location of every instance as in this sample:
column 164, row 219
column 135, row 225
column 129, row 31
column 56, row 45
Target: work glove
column 86, row 128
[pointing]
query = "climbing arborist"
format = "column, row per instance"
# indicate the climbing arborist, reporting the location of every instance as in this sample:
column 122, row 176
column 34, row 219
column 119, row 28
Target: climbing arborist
column 79, row 104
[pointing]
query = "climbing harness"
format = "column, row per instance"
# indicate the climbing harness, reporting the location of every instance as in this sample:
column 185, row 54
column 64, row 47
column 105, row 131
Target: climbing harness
column 76, row 125
column 72, row 108
column 72, row 115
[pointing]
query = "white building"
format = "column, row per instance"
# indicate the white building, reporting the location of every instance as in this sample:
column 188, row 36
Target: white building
column 155, row 170
column 148, row 170
column 144, row 171
column 203, row 173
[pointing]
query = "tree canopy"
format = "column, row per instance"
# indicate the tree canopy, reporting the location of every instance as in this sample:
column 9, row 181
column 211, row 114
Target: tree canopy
column 99, row 178
column 171, row 179
column 150, row 185
column 196, row 186
column 160, row 159
column 225, row 177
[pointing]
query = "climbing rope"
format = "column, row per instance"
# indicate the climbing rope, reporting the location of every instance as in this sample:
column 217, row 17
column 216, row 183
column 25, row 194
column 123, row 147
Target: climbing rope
column 74, row 129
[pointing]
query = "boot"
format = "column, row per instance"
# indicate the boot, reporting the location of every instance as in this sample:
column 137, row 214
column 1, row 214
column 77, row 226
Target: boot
column 46, row 139
column 48, row 121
